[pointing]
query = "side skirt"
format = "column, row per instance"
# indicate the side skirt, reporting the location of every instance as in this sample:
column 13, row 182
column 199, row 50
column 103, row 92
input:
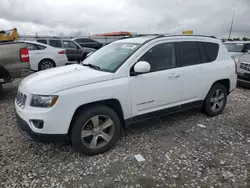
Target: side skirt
column 172, row 110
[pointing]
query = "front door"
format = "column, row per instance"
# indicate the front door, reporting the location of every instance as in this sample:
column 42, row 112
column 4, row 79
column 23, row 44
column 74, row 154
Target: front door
column 70, row 51
column 155, row 92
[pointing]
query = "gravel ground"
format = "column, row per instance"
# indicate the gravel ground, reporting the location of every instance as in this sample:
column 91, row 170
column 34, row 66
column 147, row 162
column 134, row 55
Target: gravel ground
column 183, row 150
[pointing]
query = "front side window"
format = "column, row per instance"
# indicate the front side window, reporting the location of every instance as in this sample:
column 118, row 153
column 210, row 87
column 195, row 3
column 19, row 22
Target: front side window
column 160, row 57
column 55, row 43
column 112, row 56
column 247, row 47
column 72, row 44
column 187, row 53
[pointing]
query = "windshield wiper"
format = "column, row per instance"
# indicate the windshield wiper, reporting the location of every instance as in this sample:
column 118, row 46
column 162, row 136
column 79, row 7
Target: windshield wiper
column 92, row 66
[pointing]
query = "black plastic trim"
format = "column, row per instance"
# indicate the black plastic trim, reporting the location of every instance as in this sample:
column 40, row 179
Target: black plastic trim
column 175, row 109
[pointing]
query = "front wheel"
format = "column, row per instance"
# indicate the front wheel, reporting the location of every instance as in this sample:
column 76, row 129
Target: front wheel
column 216, row 100
column 95, row 130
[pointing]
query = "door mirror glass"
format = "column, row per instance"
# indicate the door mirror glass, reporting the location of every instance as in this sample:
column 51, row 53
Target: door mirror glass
column 142, row 67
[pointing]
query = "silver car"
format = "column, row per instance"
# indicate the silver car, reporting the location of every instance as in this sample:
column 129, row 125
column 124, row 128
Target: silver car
column 243, row 69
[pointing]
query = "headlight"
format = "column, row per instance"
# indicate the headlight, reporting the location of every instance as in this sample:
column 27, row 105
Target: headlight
column 44, row 101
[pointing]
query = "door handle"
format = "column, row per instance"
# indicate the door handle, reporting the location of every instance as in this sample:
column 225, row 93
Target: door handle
column 173, row 75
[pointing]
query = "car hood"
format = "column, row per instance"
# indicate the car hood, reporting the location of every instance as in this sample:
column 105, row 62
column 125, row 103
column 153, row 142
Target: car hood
column 235, row 54
column 56, row 79
column 245, row 58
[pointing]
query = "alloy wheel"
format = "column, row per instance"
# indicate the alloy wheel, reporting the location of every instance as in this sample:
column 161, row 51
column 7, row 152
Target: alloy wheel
column 217, row 100
column 97, row 132
column 46, row 65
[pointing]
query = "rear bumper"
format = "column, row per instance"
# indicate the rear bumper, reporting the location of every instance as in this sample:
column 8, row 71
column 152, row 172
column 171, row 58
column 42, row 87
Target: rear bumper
column 27, row 132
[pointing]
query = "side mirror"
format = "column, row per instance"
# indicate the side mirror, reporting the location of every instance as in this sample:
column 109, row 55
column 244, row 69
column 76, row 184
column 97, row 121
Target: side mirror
column 89, row 54
column 142, row 67
column 248, row 51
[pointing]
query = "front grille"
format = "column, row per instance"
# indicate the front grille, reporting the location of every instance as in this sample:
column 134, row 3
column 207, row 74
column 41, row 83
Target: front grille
column 245, row 66
column 21, row 99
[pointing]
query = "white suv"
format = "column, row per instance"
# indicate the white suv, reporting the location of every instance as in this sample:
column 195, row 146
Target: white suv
column 124, row 82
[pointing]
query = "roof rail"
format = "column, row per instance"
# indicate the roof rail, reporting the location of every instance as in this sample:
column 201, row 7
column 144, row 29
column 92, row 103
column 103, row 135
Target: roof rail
column 190, row 36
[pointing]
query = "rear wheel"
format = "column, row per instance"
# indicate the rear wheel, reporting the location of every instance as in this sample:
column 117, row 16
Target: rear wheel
column 216, row 100
column 46, row 64
column 95, row 130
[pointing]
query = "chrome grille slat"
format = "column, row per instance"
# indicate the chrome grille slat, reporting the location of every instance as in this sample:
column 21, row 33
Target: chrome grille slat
column 21, row 99
column 245, row 66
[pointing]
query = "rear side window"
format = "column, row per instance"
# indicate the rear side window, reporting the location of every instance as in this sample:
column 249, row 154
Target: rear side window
column 84, row 40
column 55, row 43
column 187, row 53
column 31, row 46
column 40, row 47
column 42, row 41
column 208, row 51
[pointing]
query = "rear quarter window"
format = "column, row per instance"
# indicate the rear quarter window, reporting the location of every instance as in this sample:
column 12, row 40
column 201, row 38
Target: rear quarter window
column 208, row 51
column 42, row 41
column 55, row 43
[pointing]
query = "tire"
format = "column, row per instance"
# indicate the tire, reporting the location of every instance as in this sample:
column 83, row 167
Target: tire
column 1, row 90
column 216, row 100
column 46, row 64
column 83, row 133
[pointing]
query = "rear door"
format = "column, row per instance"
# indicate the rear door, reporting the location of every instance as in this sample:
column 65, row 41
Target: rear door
column 194, row 60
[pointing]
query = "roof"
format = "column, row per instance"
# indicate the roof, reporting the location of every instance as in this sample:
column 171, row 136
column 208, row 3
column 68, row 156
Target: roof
column 236, row 42
column 33, row 42
column 145, row 38
column 121, row 33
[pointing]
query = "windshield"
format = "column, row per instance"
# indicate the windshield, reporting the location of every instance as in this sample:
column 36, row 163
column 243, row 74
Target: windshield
column 234, row 47
column 112, row 56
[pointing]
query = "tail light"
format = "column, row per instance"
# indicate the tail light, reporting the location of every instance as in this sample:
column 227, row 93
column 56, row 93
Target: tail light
column 61, row 52
column 24, row 55
column 236, row 61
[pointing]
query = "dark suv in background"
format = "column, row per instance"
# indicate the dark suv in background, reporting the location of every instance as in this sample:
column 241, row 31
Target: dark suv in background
column 74, row 51
column 90, row 43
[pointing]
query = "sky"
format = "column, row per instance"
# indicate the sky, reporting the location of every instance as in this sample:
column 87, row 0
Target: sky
column 86, row 17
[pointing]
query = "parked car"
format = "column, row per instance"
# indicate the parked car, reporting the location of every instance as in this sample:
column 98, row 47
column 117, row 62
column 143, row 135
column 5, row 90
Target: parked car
column 74, row 51
column 122, row 83
column 237, row 48
column 43, row 56
column 87, row 42
column 243, row 69
column 14, row 62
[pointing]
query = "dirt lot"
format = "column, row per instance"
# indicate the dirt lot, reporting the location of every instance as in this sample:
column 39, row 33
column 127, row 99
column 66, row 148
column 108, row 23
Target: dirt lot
column 183, row 150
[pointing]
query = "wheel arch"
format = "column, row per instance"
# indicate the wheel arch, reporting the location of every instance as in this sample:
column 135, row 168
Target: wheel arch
column 4, row 73
column 114, row 104
column 224, row 82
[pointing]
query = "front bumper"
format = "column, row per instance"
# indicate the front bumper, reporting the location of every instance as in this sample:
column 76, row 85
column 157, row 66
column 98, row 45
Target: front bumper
column 27, row 132
column 243, row 80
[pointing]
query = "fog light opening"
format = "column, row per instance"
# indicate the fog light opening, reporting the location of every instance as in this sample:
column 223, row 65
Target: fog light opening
column 37, row 123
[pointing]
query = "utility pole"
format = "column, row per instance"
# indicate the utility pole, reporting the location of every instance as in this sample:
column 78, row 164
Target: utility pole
column 231, row 26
